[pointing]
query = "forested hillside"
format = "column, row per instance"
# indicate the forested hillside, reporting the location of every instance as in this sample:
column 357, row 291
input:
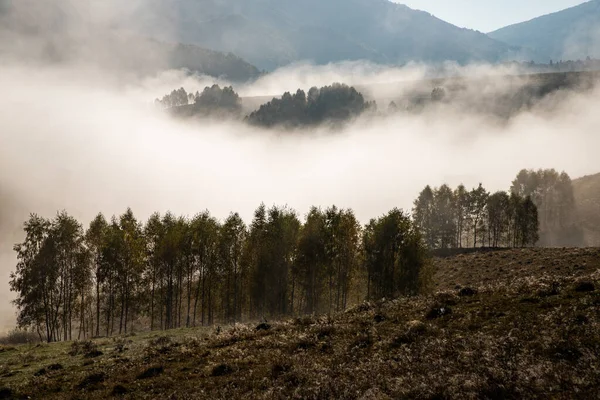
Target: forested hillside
column 272, row 33
column 505, row 324
column 55, row 32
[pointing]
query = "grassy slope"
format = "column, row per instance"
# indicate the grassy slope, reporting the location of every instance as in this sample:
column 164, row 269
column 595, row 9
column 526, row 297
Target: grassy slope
column 528, row 332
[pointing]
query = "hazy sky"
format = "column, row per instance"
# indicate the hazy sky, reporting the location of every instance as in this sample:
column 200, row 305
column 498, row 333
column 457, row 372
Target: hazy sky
column 488, row 15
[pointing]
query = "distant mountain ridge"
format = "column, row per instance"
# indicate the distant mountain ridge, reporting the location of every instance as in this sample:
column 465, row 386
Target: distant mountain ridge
column 570, row 34
column 56, row 31
column 272, row 33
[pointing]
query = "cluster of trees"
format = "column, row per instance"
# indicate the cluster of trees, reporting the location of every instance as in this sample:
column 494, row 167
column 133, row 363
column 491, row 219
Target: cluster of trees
column 335, row 103
column 475, row 218
column 213, row 99
column 176, row 271
column 552, row 193
column 176, row 98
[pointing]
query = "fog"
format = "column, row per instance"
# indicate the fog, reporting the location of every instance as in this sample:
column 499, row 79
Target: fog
column 77, row 138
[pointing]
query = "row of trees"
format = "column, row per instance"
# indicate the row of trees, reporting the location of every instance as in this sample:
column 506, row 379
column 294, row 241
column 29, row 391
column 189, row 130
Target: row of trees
column 475, row 218
column 173, row 271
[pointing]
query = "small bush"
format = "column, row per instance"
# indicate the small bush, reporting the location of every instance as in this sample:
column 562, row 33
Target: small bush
column 414, row 329
column 263, row 327
column 119, row 390
column 324, row 331
column 280, row 368
column 120, row 345
column 18, row 336
column 438, row 311
column 221, row 370
column 88, row 348
column 160, row 345
column 467, row 292
column 151, row 372
column 585, row 286
column 161, row 341
column 378, row 318
column 565, row 350
column 91, row 380
column 7, row 393
column 362, row 341
column 304, row 321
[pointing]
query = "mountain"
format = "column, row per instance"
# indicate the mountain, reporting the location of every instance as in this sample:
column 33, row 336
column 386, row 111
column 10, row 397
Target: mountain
column 272, row 33
column 56, row 31
column 573, row 33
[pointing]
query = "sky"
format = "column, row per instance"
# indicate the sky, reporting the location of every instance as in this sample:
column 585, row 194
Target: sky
column 488, row 15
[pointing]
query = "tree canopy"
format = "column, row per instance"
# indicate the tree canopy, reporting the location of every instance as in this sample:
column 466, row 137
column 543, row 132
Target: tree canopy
column 121, row 275
column 336, row 103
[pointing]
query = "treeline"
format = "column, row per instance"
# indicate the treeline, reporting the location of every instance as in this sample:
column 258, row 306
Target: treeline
column 336, row 103
column 120, row 274
column 459, row 218
column 552, row 193
column 212, row 100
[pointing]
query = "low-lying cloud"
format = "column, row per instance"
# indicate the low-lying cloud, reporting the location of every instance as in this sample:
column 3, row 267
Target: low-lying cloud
column 74, row 137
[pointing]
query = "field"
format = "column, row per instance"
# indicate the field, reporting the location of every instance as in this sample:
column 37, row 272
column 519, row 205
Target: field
column 497, row 325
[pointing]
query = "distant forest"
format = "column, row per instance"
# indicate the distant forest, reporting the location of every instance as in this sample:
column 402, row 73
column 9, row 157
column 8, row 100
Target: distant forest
column 538, row 209
column 461, row 218
column 336, row 103
column 121, row 275
column 339, row 103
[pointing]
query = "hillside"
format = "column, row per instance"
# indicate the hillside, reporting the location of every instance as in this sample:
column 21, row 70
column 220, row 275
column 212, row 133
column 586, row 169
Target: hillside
column 272, row 33
column 573, row 33
column 587, row 198
column 527, row 326
column 58, row 32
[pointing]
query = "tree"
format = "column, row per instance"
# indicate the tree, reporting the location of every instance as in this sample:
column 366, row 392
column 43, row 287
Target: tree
column 444, row 216
column 342, row 241
column 231, row 243
column 310, row 267
column 477, row 201
column 394, row 255
column 95, row 238
column 423, row 215
column 461, row 196
column 52, row 275
column 497, row 216
column 132, row 265
column 176, row 98
column 205, row 240
column 35, row 279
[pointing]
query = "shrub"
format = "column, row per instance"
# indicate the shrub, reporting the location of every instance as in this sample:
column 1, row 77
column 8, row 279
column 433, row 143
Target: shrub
column 585, row 286
column 18, row 336
column 221, row 370
column 151, row 372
